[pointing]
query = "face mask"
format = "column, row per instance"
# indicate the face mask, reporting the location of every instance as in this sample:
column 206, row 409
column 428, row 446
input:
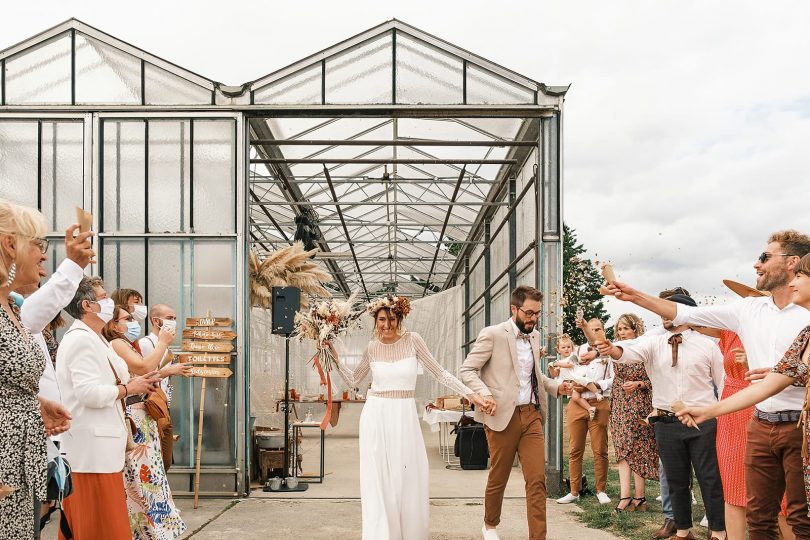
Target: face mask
column 16, row 298
column 107, row 310
column 168, row 324
column 133, row 330
column 139, row 313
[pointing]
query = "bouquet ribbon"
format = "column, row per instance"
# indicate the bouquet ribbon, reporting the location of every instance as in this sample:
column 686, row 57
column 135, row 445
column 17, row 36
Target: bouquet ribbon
column 327, row 380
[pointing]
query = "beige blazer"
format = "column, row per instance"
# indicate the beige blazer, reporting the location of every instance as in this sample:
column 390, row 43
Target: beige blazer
column 491, row 368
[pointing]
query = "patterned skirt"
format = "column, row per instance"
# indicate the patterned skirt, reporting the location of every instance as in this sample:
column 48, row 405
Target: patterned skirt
column 152, row 512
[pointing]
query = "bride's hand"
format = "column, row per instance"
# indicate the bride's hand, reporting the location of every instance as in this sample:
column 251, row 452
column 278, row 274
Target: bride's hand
column 484, row 405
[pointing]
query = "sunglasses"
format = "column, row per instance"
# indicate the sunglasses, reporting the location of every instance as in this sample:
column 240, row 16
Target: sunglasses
column 764, row 256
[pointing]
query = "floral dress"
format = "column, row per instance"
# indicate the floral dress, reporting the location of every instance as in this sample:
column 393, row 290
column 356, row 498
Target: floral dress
column 152, row 512
column 634, row 440
column 22, row 435
column 791, row 365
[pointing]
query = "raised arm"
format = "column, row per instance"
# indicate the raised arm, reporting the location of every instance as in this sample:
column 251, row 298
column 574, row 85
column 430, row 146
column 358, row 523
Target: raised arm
column 41, row 307
column 437, row 371
column 626, row 293
column 353, row 378
column 140, row 365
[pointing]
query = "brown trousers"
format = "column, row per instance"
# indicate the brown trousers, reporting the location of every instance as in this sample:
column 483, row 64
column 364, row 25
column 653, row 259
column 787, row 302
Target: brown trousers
column 773, row 466
column 524, row 435
column 579, row 425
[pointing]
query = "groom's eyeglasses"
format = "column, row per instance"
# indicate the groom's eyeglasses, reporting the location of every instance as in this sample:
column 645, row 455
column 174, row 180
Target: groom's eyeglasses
column 529, row 313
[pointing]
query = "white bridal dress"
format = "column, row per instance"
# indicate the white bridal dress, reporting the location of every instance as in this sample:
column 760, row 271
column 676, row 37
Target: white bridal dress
column 393, row 461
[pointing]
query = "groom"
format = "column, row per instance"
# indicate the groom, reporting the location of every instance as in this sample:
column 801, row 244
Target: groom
column 504, row 368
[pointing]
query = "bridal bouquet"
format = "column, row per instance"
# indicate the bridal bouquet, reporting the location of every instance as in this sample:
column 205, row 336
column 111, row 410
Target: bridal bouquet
column 323, row 322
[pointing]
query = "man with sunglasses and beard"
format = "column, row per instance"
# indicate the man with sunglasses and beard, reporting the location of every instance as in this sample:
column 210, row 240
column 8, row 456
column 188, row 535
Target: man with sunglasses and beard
column 504, row 368
column 767, row 326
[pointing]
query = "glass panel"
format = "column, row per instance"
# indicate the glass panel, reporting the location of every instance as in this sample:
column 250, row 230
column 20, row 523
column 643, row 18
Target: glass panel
column 105, row 74
column 123, row 264
column 164, row 88
column 40, row 74
column 62, row 172
column 485, row 87
column 207, row 269
column 18, row 162
column 301, row 87
column 124, row 176
column 169, row 176
column 426, row 74
column 214, row 176
column 362, row 74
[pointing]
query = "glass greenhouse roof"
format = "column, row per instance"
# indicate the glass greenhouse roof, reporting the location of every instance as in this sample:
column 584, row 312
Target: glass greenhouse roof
column 394, row 143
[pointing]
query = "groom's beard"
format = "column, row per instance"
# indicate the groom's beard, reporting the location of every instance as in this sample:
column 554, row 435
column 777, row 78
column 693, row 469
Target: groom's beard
column 524, row 326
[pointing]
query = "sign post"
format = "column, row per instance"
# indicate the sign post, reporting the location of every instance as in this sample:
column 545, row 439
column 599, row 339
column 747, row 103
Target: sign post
column 206, row 340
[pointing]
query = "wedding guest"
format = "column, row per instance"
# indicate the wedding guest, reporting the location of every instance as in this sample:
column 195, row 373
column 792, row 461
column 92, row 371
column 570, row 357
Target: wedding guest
column 570, row 370
column 152, row 511
column 94, row 381
column 791, row 370
column 132, row 301
column 767, row 327
column 684, row 368
column 393, row 461
column 25, row 418
column 634, row 441
column 504, row 366
column 580, row 424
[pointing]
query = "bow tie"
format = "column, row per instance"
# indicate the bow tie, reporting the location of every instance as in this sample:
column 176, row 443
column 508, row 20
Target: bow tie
column 675, row 340
column 525, row 337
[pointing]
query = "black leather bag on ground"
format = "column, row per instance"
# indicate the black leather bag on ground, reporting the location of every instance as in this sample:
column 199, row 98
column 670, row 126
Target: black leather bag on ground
column 473, row 450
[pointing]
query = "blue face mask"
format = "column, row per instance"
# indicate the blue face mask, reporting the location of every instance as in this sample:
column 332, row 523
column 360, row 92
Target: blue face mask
column 133, row 330
column 16, row 298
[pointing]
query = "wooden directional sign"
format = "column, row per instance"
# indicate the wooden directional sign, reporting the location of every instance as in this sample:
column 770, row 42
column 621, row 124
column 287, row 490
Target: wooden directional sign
column 209, row 321
column 198, row 333
column 205, row 371
column 207, row 346
column 192, row 358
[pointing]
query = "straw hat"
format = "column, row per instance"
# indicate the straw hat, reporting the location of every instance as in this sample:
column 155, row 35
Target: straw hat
column 744, row 290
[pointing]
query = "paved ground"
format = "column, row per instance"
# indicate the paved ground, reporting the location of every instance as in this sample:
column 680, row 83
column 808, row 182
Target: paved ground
column 331, row 511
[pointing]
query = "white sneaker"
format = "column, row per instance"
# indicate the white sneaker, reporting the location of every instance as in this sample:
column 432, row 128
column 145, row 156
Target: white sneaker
column 659, row 498
column 705, row 521
column 602, row 497
column 568, row 499
column 489, row 534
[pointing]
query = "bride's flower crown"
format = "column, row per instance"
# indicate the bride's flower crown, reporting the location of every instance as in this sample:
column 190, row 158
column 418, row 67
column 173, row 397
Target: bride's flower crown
column 399, row 305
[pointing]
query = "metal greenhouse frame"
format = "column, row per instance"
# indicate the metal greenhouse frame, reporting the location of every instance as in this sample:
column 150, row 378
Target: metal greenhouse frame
column 419, row 165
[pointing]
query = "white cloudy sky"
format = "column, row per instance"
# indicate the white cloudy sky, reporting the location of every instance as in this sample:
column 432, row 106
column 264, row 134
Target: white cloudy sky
column 687, row 128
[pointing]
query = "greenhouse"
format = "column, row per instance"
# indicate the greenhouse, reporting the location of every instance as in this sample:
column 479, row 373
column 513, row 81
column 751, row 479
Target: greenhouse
column 414, row 167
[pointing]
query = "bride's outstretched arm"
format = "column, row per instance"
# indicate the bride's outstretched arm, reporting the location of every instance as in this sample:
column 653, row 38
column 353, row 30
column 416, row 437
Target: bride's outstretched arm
column 436, row 370
column 353, row 378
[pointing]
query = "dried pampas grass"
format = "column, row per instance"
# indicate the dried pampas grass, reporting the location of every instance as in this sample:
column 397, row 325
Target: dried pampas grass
column 287, row 267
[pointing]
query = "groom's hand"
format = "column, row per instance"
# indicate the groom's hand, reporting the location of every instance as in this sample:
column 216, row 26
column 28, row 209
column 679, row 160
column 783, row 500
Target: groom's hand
column 489, row 405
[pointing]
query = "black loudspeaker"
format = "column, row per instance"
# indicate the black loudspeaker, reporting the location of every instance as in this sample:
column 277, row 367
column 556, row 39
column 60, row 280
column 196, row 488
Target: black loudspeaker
column 286, row 302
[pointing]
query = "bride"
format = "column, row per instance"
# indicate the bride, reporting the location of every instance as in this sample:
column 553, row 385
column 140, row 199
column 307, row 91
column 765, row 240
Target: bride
column 393, row 460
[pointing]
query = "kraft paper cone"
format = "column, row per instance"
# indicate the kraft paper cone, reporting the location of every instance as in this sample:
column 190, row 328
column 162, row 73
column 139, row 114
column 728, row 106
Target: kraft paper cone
column 743, row 290
column 84, row 219
column 607, row 272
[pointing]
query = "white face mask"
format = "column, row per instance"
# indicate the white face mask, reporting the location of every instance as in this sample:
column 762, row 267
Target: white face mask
column 168, row 324
column 139, row 312
column 107, row 310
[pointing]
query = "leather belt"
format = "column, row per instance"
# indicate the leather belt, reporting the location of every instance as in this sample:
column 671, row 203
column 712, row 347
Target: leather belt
column 778, row 417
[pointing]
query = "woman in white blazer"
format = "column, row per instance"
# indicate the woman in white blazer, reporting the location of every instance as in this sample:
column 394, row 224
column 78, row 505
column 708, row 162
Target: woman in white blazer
column 93, row 380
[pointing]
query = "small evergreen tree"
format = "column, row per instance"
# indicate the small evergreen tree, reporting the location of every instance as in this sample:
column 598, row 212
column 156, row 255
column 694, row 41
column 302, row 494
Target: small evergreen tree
column 581, row 281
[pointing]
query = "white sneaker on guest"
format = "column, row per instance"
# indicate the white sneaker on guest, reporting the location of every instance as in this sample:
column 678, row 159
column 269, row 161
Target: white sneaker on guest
column 602, row 497
column 489, row 534
column 705, row 521
column 568, row 499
